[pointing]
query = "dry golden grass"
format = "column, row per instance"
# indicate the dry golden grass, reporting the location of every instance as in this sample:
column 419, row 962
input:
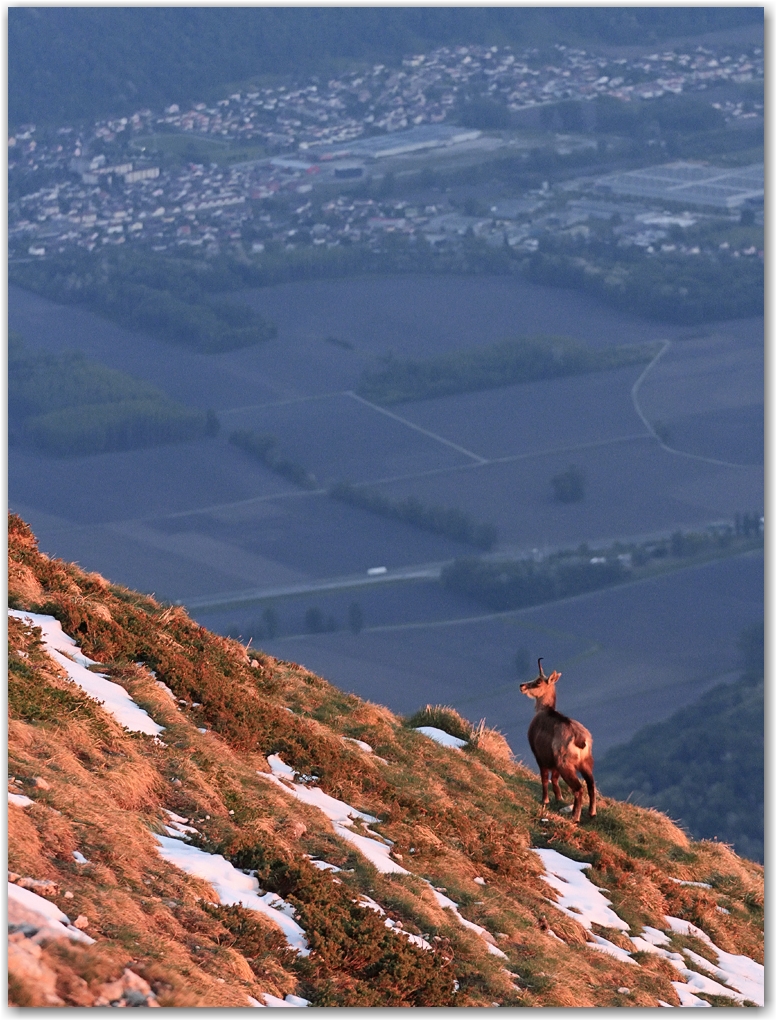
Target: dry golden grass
column 491, row 743
column 453, row 817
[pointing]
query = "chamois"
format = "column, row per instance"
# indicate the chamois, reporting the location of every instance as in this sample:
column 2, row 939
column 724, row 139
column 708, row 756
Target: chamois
column 561, row 746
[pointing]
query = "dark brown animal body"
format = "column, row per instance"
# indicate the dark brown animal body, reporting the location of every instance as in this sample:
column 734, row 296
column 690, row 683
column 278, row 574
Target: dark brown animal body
column 562, row 746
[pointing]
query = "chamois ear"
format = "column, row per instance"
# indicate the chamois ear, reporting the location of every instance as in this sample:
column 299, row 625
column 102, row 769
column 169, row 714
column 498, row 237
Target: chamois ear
column 554, row 677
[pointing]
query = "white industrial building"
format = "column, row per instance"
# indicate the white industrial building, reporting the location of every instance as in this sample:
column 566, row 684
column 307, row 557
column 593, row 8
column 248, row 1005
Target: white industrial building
column 690, row 184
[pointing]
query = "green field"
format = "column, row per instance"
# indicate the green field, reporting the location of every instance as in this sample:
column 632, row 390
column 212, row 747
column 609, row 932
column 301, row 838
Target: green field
column 190, row 147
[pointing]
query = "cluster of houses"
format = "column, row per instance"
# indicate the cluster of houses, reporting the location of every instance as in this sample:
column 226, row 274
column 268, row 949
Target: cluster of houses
column 103, row 186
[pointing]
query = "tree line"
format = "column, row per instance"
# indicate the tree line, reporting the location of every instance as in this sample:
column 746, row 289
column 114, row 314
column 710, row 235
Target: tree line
column 447, row 521
column 264, row 447
column 516, row 584
column 666, row 286
column 501, row 364
column 173, row 299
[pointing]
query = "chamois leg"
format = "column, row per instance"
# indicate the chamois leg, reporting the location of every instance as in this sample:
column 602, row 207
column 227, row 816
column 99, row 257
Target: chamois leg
column 556, row 786
column 569, row 774
column 545, row 774
column 586, row 771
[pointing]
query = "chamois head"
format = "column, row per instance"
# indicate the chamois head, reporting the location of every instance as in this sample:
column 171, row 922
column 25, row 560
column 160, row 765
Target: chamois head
column 542, row 685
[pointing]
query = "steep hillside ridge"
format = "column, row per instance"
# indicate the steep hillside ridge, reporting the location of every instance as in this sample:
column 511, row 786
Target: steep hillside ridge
column 233, row 830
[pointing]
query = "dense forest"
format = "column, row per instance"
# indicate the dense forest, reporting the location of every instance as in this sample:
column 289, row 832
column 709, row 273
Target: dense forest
column 75, row 63
column 704, row 765
column 66, row 405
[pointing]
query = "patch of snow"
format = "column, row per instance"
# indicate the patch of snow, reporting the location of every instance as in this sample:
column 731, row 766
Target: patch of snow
column 655, row 936
column 686, row 997
column 279, row 767
column 361, row 743
column 178, row 826
column 274, row 1001
column 324, row 865
column 232, row 886
column 201, row 729
column 66, row 653
column 370, row 904
column 577, row 891
column 701, row 885
column 479, row 881
column 645, row 946
column 745, row 975
column 722, row 910
column 49, row 913
column 551, row 932
column 667, row 1005
column 605, row 946
column 447, row 904
column 737, row 972
column 163, row 687
column 445, row 739
column 19, row 799
column 174, row 817
column 79, row 858
column 340, row 814
column 416, row 940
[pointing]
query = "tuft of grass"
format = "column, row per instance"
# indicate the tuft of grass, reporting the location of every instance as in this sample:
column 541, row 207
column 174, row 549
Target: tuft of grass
column 491, row 742
column 443, row 717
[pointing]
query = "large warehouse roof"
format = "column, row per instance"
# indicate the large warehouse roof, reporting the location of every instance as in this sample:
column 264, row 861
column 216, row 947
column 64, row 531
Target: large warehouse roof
column 427, row 136
column 690, row 183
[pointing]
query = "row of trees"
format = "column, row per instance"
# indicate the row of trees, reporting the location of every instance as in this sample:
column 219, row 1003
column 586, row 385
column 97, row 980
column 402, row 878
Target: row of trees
column 315, row 622
column 447, row 521
column 521, row 583
column 516, row 584
column 502, row 364
column 264, row 447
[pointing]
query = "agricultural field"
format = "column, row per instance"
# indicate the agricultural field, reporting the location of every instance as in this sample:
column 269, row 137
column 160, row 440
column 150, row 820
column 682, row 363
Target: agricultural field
column 206, row 524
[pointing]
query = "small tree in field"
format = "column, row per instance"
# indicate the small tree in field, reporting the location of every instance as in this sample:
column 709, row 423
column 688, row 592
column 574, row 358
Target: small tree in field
column 355, row 618
column 569, row 485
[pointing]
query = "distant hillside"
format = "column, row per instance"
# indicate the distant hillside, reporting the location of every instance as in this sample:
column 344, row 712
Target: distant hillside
column 75, row 63
column 194, row 823
column 705, row 766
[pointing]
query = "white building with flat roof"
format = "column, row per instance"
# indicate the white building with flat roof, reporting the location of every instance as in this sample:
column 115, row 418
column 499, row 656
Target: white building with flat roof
column 691, row 184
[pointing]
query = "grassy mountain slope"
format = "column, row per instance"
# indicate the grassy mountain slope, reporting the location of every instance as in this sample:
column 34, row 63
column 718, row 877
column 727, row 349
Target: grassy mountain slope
column 704, row 765
column 463, row 821
column 72, row 63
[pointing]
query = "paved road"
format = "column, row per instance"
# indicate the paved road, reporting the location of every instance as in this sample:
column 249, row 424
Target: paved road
column 414, row 572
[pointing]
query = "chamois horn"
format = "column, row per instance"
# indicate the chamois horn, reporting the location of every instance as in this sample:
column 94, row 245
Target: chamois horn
column 541, row 671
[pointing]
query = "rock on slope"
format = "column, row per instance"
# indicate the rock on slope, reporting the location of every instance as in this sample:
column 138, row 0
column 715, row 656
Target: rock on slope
column 196, row 824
